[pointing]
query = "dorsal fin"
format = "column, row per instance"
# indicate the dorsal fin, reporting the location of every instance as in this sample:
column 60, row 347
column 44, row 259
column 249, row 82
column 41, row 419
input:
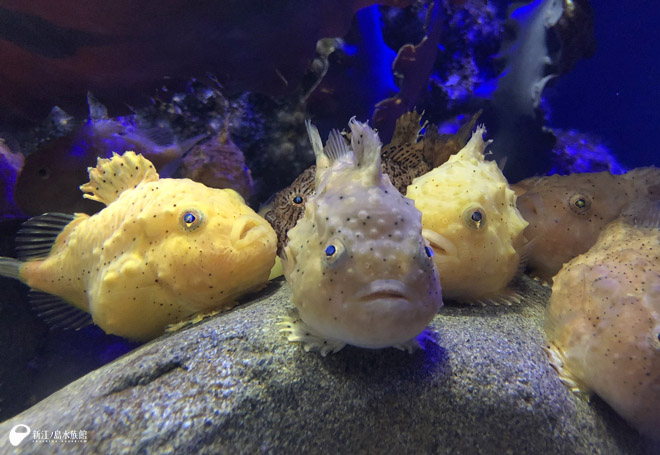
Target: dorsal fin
column 314, row 139
column 365, row 144
column 407, row 128
column 113, row 176
column 36, row 236
column 322, row 161
column 336, row 147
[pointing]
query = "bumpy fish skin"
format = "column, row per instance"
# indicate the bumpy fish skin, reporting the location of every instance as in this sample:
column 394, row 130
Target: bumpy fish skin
column 359, row 270
column 603, row 323
column 567, row 213
column 470, row 218
column 407, row 156
column 139, row 265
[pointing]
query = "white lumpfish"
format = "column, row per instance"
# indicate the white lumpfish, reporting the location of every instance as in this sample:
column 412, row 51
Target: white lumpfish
column 359, row 269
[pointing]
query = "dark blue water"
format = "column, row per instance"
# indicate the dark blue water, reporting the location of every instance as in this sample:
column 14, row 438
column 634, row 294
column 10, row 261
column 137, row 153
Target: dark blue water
column 616, row 93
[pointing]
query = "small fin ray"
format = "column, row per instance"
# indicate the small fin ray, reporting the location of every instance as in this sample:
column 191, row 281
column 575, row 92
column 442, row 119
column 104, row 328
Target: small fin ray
column 57, row 313
column 336, row 147
column 36, row 236
column 314, row 139
column 297, row 331
column 365, row 143
column 112, row 176
column 10, row 267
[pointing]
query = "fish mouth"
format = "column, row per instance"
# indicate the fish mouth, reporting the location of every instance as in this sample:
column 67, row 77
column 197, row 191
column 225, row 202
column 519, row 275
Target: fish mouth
column 245, row 230
column 442, row 246
column 383, row 290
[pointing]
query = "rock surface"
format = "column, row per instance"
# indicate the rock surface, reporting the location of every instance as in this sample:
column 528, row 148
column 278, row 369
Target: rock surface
column 233, row 384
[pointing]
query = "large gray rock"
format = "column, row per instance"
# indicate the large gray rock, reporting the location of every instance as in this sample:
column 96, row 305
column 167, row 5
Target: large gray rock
column 233, row 384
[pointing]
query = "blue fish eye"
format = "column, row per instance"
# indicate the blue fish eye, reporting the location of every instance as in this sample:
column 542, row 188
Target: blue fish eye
column 191, row 219
column 429, row 251
column 297, row 199
column 330, row 250
column 475, row 217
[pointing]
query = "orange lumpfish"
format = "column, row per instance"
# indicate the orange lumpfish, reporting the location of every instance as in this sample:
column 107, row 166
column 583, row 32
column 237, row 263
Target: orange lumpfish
column 603, row 322
column 566, row 213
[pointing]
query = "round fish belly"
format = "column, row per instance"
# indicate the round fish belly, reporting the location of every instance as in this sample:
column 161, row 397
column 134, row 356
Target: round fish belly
column 603, row 323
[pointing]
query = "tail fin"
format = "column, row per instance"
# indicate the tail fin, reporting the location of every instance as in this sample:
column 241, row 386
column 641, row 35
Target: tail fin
column 10, row 268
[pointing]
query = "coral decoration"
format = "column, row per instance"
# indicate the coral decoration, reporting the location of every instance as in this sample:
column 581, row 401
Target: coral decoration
column 414, row 64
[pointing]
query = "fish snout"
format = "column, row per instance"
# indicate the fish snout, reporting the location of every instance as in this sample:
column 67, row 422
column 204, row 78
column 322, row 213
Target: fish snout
column 246, row 230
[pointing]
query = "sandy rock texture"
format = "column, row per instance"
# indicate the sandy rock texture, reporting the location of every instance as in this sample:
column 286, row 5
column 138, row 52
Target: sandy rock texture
column 233, row 384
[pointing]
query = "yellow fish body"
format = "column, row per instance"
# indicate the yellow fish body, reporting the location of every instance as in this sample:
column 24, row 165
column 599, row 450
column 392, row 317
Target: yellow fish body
column 358, row 267
column 470, row 219
column 603, row 323
column 161, row 251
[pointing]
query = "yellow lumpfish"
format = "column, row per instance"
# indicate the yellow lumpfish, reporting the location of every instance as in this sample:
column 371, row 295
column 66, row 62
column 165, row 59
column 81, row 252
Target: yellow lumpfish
column 359, row 269
column 470, row 218
column 603, row 323
column 161, row 251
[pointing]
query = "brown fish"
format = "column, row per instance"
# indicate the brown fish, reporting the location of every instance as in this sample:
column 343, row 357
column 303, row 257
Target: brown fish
column 407, row 156
column 51, row 176
column 567, row 213
column 219, row 163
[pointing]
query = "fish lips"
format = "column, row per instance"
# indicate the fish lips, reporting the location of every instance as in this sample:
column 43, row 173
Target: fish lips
column 383, row 290
column 246, row 230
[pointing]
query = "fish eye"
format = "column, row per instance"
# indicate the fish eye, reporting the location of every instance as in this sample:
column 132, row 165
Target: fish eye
column 44, row 173
column 333, row 252
column 298, row 199
column 191, row 219
column 580, row 203
column 475, row 217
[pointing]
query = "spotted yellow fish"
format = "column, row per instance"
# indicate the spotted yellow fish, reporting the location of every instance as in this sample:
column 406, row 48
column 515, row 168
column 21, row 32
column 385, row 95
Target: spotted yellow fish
column 470, row 218
column 161, row 251
column 358, row 267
